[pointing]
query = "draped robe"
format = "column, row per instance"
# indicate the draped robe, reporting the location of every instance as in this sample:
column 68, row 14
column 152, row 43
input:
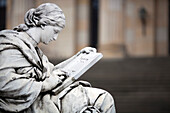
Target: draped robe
column 22, row 67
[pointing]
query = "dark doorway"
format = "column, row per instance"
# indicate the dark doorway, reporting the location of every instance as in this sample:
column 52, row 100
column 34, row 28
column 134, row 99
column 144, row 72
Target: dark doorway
column 94, row 6
column 169, row 27
column 2, row 14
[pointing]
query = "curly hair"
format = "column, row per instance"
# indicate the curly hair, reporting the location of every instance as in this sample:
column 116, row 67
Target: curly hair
column 45, row 14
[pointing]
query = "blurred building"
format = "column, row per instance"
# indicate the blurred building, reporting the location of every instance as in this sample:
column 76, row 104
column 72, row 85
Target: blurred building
column 134, row 28
column 118, row 28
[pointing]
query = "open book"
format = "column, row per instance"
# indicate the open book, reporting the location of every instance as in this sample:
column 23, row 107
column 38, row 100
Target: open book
column 77, row 67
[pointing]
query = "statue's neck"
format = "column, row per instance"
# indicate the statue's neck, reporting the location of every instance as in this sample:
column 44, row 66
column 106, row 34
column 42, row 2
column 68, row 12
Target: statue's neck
column 34, row 34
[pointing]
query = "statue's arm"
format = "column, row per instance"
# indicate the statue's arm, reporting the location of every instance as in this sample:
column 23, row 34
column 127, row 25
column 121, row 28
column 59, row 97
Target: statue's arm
column 50, row 82
column 18, row 91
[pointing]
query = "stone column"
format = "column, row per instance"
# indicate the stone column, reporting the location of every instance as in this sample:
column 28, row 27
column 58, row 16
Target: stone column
column 16, row 10
column 111, row 42
column 162, row 23
column 82, row 24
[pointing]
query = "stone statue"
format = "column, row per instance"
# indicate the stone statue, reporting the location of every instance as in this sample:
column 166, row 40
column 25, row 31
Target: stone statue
column 27, row 78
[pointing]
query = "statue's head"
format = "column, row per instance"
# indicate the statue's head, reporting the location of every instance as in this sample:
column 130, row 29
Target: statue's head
column 47, row 14
column 48, row 17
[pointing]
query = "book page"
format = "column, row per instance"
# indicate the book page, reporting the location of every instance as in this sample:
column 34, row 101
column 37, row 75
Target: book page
column 81, row 64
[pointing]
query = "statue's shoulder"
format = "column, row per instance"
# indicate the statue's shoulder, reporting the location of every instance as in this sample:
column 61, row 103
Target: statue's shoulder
column 8, row 32
column 9, row 36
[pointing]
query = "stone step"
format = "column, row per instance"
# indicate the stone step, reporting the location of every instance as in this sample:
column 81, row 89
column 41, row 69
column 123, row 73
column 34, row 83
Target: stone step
column 139, row 85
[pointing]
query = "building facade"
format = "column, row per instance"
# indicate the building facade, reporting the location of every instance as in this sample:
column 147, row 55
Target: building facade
column 122, row 28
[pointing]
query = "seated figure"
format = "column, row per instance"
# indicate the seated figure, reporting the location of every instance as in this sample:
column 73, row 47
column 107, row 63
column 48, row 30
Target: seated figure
column 27, row 78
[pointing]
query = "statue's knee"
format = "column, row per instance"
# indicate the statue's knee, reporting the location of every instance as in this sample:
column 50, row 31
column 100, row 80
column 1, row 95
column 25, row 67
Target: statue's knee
column 109, row 104
column 105, row 103
column 110, row 97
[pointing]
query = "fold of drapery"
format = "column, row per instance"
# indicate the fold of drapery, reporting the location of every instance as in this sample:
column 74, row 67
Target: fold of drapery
column 19, row 65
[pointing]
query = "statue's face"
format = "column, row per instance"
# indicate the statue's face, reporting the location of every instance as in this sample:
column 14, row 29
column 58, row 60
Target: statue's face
column 49, row 33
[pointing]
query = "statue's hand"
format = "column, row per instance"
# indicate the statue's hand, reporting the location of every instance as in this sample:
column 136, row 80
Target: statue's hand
column 56, row 78
column 87, row 50
column 62, row 74
column 51, row 82
column 83, row 83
